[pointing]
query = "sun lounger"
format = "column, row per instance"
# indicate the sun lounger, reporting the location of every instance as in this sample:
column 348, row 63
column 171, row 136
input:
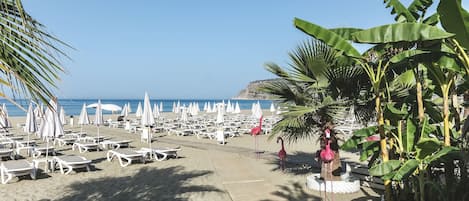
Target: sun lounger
column 7, row 153
column 115, row 144
column 82, row 147
column 64, row 141
column 94, row 139
column 125, row 156
column 72, row 162
column 162, row 153
column 38, row 151
column 24, row 145
column 16, row 168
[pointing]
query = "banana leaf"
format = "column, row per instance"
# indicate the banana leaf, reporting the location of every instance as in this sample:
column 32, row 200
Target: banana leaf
column 426, row 147
column 398, row 32
column 394, row 114
column 329, row 37
column 402, row 13
column 441, row 153
column 345, row 33
column 419, row 6
column 406, row 169
column 406, row 55
column 432, row 19
column 455, row 20
column 384, row 168
column 408, row 136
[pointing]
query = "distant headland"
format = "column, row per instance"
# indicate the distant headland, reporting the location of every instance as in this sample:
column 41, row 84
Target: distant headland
column 252, row 91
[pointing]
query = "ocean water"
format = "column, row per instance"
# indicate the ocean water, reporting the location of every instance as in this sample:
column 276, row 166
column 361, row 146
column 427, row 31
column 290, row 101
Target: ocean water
column 73, row 106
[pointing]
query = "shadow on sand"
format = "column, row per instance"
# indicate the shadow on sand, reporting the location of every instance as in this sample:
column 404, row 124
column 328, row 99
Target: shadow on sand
column 298, row 163
column 148, row 184
column 294, row 192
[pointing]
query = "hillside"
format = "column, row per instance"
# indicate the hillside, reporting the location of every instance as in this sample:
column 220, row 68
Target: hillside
column 252, row 91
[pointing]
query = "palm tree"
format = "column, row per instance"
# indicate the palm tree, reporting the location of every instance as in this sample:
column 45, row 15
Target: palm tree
column 29, row 56
column 315, row 92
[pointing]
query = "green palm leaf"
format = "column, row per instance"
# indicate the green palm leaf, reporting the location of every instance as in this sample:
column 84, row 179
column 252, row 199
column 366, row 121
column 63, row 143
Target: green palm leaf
column 27, row 53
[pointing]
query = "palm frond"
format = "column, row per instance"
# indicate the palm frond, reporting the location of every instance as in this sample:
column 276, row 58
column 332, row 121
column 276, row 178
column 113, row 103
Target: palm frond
column 28, row 53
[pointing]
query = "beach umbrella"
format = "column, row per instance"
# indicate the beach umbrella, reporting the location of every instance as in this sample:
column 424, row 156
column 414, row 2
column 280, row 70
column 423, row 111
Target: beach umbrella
column 228, row 107
column 62, row 115
column 174, row 107
column 98, row 117
column 139, row 111
column 178, row 107
column 147, row 120
column 209, row 108
column 51, row 126
column 272, row 108
column 129, row 109
column 156, row 110
column 147, row 116
column 84, row 119
column 220, row 111
column 237, row 109
column 108, row 107
column 125, row 111
column 258, row 111
column 38, row 111
column 184, row 114
column 161, row 106
column 30, row 125
column 4, row 119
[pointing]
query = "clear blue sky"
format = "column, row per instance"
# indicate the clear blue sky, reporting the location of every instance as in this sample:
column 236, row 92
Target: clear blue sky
column 184, row 49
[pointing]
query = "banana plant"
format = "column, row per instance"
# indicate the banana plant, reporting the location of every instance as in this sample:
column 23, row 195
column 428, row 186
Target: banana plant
column 386, row 34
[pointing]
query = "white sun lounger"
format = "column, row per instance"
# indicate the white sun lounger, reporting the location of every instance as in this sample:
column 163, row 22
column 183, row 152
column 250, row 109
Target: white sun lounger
column 9, row 169
column 38, row 151
column 64, row 141
column 115, row 144
column 7, row 153
column 72, row 162
column 125, row 156
column 162, row 153
column 85, row 147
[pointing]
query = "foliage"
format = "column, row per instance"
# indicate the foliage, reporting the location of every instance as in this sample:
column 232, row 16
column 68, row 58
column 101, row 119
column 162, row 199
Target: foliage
column 310, row 90
column 28, row 62
column 413, row 73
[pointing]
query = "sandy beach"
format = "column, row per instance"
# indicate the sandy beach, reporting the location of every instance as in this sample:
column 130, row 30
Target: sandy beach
column 204, row 171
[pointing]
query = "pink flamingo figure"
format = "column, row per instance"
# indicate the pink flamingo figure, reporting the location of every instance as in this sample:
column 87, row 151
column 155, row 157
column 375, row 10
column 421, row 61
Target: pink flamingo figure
column 282, row 154
column 255, row 132
column 327, row 156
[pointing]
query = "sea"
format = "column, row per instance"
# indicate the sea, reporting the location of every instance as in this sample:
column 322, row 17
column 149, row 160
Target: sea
column 74, row 106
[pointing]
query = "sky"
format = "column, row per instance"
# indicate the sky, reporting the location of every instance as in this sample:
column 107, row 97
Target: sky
column 184, row 49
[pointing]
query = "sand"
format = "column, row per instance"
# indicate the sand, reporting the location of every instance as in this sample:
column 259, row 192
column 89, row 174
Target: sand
column 204, row 171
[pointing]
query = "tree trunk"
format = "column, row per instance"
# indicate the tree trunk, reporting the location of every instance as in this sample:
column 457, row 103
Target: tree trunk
column 420, row 101
column 383, row 143
column 466, row 101
column 446, row 118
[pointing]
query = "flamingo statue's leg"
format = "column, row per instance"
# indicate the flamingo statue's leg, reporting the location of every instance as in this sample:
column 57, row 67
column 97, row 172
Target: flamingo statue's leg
column 325, row 183
column 332, row 186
